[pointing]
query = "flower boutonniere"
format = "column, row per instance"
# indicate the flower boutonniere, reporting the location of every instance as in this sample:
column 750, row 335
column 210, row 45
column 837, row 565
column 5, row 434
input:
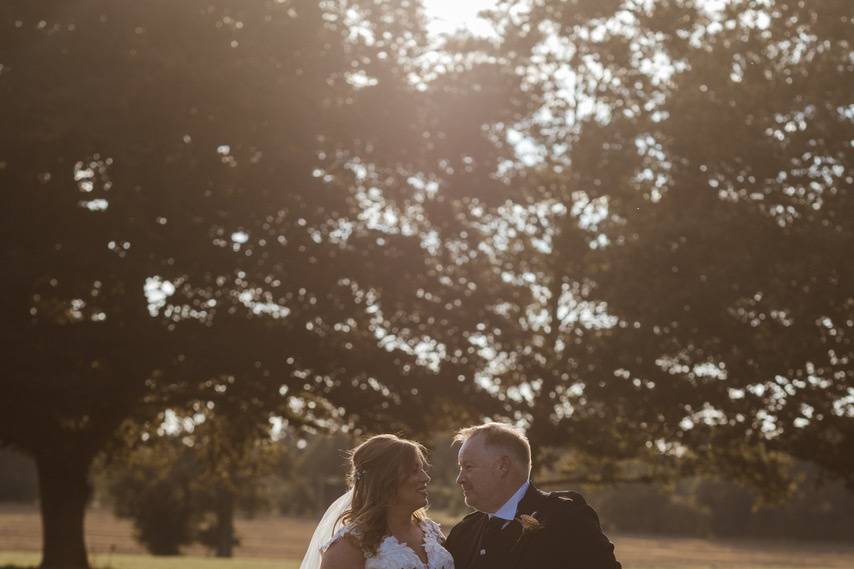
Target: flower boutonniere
column 529, row 523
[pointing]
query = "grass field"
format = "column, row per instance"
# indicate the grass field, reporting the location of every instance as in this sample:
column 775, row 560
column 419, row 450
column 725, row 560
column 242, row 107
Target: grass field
column 275, row 542
column 28, row 560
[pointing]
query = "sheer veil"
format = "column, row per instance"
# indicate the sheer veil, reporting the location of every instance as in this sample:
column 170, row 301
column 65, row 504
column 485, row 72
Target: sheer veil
column 325, row 530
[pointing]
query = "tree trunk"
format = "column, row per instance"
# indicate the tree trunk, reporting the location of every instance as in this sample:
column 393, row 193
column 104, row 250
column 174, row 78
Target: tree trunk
column 225, row 538
column 64, row 491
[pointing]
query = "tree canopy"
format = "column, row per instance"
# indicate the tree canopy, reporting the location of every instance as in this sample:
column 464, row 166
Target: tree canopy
column 684, row 216
column 230, row 205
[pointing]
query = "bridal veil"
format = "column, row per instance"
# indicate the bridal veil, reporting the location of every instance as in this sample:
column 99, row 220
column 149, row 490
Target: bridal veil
column 325, row 530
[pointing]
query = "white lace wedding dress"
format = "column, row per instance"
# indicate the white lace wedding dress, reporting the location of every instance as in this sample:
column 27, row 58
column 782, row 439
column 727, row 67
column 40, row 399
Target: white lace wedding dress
column 392, row 554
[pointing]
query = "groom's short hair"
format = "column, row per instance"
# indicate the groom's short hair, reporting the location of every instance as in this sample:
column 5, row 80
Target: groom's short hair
column 503, row 436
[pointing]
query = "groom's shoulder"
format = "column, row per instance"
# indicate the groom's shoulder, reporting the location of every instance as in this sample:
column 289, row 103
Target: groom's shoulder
column 471, row 517
column 567, row 503
column 566, row 498
column 571, row 511
column 467, row 521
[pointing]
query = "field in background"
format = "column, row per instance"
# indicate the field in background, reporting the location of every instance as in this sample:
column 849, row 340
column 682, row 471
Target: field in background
column 29, row 560
column 270, row 537
column 269, row 542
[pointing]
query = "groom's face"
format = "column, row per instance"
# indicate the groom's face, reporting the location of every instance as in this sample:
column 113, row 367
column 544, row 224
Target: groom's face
column 480, row 475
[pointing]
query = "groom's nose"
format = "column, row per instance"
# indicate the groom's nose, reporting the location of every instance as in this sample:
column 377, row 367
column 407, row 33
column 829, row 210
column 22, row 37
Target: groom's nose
column 460, row 477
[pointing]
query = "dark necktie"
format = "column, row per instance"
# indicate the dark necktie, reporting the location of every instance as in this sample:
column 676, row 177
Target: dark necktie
column 489, row 544
column 495, row 524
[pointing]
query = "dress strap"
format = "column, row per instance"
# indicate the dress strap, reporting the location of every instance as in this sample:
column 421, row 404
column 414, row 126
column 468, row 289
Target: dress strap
column 336, row 538
column 432, row 529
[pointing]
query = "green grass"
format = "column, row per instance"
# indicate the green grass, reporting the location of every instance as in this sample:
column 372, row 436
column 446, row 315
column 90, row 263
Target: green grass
column 28, row 560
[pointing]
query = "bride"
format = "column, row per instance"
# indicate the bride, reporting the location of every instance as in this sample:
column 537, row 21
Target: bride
column 382, row 520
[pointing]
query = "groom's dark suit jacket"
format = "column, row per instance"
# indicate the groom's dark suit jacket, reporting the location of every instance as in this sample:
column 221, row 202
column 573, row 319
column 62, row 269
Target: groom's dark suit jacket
column 569, row 537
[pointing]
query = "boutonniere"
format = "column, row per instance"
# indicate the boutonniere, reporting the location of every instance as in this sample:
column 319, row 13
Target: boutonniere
column 529, row 523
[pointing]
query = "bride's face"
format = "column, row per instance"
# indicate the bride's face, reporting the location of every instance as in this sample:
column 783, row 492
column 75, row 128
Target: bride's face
column 412, row 488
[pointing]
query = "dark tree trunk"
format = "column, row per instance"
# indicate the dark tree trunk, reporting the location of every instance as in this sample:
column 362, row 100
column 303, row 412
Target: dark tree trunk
column 64, row 491
column 225, row 538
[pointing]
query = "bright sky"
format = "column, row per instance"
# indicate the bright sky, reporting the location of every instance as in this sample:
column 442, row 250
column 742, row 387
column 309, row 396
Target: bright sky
column 449, row 15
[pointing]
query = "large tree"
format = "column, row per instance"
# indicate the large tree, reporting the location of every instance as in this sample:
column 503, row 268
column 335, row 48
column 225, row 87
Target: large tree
column 234, row 204
column 684, row 217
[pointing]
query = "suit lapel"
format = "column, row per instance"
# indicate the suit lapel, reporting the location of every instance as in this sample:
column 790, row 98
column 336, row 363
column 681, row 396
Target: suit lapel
column 531, row 501
column 479, row 528
column 530, row 504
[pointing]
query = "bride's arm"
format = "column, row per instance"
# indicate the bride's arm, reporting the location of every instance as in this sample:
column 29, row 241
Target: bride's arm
column 343, row 554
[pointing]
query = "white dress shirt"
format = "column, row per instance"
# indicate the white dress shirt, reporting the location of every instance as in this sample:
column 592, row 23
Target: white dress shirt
column 508, row 510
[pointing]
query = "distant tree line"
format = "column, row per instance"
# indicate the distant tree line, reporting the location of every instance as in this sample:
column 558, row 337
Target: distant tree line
column 712, row 507
column 165, row 492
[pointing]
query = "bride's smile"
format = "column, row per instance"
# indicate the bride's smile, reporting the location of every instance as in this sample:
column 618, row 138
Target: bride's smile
column 412, row 490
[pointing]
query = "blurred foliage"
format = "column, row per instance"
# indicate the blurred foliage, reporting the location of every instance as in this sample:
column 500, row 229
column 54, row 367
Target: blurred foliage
column 683, row 215
column 17, row 477
column 154, row 490
column 711, row 507
column 311, row 473
column 186, row 486
column 206, row 201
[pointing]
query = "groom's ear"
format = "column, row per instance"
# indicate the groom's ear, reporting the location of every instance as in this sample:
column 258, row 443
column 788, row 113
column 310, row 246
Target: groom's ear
column 504, row 465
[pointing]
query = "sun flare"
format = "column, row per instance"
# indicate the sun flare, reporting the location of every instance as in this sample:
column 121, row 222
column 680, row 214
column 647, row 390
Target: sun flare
column 449, row 16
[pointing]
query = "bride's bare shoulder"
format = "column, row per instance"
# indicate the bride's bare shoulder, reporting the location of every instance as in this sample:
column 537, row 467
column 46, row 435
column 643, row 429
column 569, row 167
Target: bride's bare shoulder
column 345, row 553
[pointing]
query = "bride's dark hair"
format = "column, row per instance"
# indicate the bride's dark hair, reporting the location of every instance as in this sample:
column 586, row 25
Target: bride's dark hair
column 377, row 467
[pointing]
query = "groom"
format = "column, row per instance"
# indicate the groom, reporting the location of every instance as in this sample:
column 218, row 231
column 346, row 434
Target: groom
column 516, row 526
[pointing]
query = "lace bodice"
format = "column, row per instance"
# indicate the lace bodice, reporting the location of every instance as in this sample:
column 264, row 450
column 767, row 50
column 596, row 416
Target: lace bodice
column 392, row 554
